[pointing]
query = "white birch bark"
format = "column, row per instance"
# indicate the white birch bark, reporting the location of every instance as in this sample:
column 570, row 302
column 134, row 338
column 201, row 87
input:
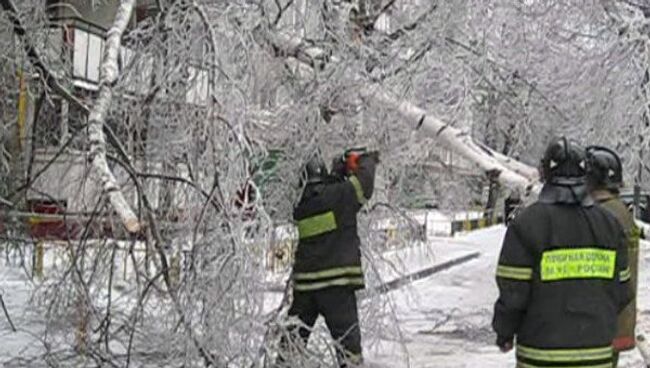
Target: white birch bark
column 454, row 139
column 99, row 111
column 511, row 173
column 530, row 172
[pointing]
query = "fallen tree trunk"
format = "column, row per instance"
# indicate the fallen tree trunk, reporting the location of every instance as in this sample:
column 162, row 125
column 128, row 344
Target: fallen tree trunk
column 507, row 171
column 453, row 139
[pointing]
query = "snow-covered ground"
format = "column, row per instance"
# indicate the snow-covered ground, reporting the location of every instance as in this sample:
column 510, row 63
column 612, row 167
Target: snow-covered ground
column 444, row 319
column 15, row 289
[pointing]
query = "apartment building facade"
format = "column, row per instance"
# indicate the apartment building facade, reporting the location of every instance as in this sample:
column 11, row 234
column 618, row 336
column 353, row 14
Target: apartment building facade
column 53, row 134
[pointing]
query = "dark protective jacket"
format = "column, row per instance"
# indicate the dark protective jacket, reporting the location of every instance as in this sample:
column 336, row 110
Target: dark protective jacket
column 625, row 337
column 328, row 251
column 563, row 278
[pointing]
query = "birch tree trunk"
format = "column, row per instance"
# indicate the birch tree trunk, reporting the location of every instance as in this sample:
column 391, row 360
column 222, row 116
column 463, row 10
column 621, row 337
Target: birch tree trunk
column 99, row 111
column 455, row 140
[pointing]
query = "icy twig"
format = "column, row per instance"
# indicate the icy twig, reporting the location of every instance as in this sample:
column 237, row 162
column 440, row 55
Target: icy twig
column 4, row 308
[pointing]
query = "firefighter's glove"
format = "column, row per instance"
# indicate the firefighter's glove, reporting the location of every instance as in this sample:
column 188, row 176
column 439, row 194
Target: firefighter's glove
column 352, row 162
column 624, row 343
column 351, row 158
column 505, row 344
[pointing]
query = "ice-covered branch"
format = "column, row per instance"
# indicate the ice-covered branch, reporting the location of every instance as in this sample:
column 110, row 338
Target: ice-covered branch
column 98, row 112
column 508, row 171
column 34, row 55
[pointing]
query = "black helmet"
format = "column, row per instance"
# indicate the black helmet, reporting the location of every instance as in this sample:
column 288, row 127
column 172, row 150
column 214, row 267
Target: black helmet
column 604, row 168
column 564, row 163
column 315, row 170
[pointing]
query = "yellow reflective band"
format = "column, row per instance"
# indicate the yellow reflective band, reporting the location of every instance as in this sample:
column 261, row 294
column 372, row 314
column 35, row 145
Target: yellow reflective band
column 316, row 225
column 636, row 235
column 326, row 274
column 625, row 275
column 603, row 365
column 515, row 273
column 358, row 189
column 565, row 355
column 344, row 281
column 353, row 358
column 578, row 263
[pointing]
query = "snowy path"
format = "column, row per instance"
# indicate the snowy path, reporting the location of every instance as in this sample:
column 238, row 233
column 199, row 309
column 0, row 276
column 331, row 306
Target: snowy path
column 446, row 317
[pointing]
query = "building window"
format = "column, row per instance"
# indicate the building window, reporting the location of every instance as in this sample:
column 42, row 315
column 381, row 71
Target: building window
column 47, row 129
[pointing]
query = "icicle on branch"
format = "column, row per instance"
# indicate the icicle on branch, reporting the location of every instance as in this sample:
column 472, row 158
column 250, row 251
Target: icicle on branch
column 99, row 111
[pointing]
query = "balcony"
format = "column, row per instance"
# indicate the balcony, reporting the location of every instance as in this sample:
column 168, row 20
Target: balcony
column 81, row 43
column 73, row 48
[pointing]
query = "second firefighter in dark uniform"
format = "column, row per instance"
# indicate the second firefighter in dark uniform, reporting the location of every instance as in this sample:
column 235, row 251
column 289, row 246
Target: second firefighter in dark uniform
column 327, row 269
column 605, row 178
column 563, row 272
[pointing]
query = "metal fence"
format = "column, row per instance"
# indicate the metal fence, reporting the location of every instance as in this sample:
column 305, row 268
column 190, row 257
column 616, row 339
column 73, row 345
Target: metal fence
column 392, row 233
column 50, row 240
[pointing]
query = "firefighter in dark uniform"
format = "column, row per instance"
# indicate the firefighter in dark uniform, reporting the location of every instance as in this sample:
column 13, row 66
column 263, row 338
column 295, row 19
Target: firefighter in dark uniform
column 605, row 178
column 327, row 269
column 563, row 273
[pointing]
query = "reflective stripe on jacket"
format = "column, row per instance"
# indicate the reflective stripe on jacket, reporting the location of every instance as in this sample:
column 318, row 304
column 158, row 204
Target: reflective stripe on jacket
column 540, row 358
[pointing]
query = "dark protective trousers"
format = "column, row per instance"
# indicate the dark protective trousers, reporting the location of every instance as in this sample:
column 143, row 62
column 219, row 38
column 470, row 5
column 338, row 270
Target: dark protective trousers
column 338, row 305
